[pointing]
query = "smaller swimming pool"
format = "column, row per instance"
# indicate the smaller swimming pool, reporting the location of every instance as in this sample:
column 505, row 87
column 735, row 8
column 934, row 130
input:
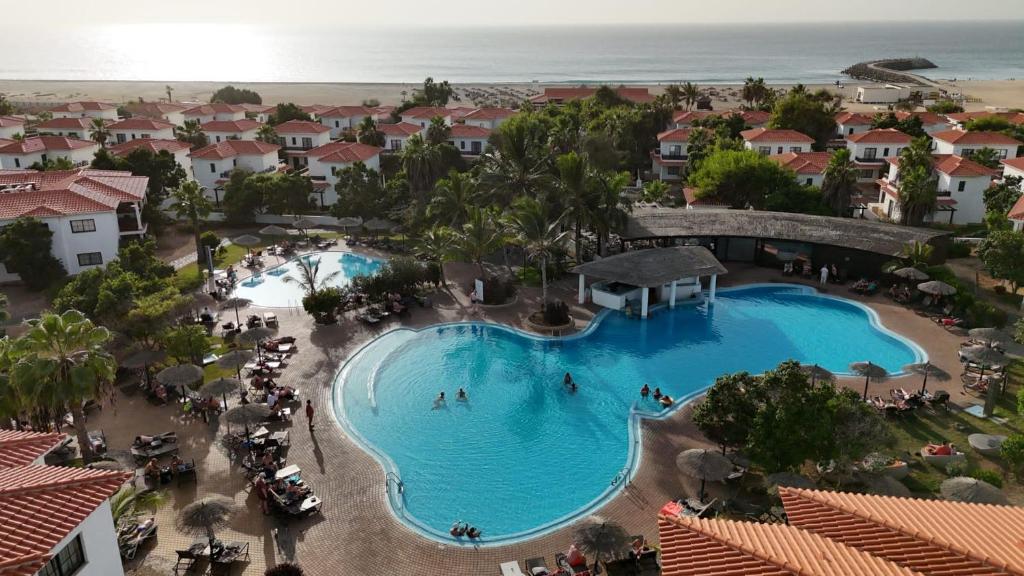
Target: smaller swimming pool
column 268, row 287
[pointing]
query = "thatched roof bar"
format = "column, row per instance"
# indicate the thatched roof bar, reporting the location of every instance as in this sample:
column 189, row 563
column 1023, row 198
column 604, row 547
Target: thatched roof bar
column 654, row 267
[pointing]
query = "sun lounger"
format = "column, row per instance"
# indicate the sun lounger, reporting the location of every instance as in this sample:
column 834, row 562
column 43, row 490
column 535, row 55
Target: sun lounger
column 270, row 319
column 98, row 440
column 129, row 539
column 511, row 568
column 537, row 566
column 942, row 460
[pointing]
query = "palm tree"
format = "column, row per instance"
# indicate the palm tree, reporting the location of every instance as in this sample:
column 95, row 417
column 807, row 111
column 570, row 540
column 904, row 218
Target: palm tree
column 917, row 254
column 918, row 185
column 192, row 132
column 266, row 133
column 675, row 95
column 479, row 237
column 840, row 182
column 538, row 234
column 130, row 501
column 690, row 94
column 611, row 209
column 64, row 356
column 516, row 167
column 437, row 244
column 575, row 184
column 309, row 276
column 367, row 133
column 98, row 131
column 190, row 203
column 421, row 162
column 438, row 132
column 168, row 89
column 453, row 195
column 655, row 191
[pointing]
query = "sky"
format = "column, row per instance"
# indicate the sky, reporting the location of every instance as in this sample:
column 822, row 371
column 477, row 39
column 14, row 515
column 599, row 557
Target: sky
column 454, row 13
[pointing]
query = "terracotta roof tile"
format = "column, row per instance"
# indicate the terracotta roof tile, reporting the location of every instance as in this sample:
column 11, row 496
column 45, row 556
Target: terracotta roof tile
column 83, row 107
column 65, row 124
column 1016, row 163
column 881, row 136
column 64, row 193
column 774, row 135
column 10, row 121
column 316, row 109
column 927, row 118
column 155, row 109
column 469, row 131
column 154, row 145
column 931, row 536
column 40, row 505
column 1015, row 118
column 232, row 148
column 427, row 112
column 1017, row 212
column 43, row 143
column 217, row 108
column 400, row 129
column 343, row 152
column 345, row 112
column 19, row 448
column 853, row 119
column 804, row 162
column 689, row 116
column 140, row 124
column 976, row 138
column 490, row 114
column 243, row 125
column 301, row 127
column 675, row 135
column 959, row 166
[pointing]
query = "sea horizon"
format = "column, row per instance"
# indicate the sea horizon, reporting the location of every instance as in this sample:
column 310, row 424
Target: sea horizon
column 707, row 53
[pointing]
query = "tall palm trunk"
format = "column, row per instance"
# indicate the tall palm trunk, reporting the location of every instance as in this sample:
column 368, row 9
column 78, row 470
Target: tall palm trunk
column 81, row 432
column 199, row 242
column 579, row 240
column 543, row 283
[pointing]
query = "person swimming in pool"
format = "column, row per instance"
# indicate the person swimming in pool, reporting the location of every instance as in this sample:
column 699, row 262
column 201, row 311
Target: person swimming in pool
column 657, row 393
column 645, row 391
column 567, row 380
column 572, row 386
column 461, row 395
column 439, row 401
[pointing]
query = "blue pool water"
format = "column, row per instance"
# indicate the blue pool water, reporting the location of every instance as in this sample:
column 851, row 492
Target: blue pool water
column 523, row 456
column 270, row 289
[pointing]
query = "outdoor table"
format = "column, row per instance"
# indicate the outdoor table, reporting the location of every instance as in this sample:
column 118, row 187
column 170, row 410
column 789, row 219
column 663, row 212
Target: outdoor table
column 272, row 365
column 281, row 437
column 259, row 432
column 287, row 472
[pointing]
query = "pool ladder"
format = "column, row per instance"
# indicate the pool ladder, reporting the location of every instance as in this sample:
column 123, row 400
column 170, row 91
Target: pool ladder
column 620, row 477
column 392, row 477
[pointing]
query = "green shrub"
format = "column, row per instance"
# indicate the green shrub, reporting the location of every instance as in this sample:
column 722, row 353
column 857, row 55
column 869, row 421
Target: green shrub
column 210, row 239
column 322, row 305
column 956, row 469
column 960, row 250
column 991, row 476
column 1012, row 451
column 556, row 313
column 984, row 314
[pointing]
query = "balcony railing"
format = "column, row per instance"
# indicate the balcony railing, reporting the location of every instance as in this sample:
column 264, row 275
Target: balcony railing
column 670, row 156
column 877, row 159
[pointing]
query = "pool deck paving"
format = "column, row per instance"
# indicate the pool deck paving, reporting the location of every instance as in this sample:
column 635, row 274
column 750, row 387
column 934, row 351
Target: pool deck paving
column 356, row 532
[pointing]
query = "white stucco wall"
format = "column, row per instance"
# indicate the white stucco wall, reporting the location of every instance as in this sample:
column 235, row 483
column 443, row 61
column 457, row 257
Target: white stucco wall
column 105, row 114
column 99, row 544
column 943, row 147
column 77, row 157
column 215, row 137
column 970, row 204
column 778, row 147
column 128, row 135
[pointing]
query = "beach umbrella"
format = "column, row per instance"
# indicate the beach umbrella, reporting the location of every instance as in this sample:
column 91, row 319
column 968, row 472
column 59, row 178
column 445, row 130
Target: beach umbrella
column 181, row 375
column 143, row 359
column 596, row 537
column 817, row 373
column 350, row 222
column 247, row 240
column 221, row 387
column 203, row 300
column 205, row 516
column 246, row 414
column 989, row 335
column 927, row 369
column 936, row 288
column 985, row 357
column 379, row 225
column 253, row 337
column 704, row 464
column 236, row 302
column 964, row 489
column 868, row 371
column 788, row 480
column 910, row 273
column 273, row 230
column 303, row 224
column 885, row 485
column 235, row 359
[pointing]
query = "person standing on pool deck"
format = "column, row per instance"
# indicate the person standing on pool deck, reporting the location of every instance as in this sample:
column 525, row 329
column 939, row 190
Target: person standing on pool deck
column 824, row 275
column 309, row 413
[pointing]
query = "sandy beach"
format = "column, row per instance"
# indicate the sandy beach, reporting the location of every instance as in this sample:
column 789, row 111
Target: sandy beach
column 980, row 93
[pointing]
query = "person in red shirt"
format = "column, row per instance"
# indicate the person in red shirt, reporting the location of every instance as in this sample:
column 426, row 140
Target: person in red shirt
column 309, row 413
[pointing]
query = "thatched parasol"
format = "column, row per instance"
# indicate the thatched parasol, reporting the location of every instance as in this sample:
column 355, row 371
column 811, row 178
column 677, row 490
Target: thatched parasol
column 885, row 485
column 817, row 373
column 247, row 414
column 303, row 224
column 379, row 225
column 221, row 387
column 350, row 222
column 236, row 302
column 936, row 288
column 235, row 359
column 868, row 371
column 910, row 273
column 986, row 357
column 927, row 369
column 204, row 300
column 599, row 538
column 789, row 480
column 273, row 230
column 247, row 240
column 144, row 359
column 964, row 489
column 206, row 515
column 989, row 335
column 253, row 337
column 704, row 464
column 181, row 376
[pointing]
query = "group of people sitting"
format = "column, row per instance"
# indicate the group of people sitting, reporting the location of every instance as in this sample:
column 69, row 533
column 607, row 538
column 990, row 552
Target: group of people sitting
column 460, row 529
column 155, row 473
column 901, row 293
column 865, row 287
column 663, row 399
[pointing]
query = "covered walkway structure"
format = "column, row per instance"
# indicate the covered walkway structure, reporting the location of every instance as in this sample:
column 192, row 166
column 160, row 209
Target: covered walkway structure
column 673, row 273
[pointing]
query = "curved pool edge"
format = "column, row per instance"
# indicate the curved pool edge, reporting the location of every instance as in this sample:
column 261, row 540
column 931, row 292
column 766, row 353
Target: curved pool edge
column 636, row 418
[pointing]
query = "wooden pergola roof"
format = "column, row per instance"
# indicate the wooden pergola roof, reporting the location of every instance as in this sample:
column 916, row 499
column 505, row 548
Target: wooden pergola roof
column 654, row 267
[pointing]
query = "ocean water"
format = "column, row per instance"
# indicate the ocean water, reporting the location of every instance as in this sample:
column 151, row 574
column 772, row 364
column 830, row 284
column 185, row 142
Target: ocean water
column 809, row 53
column 523, row 455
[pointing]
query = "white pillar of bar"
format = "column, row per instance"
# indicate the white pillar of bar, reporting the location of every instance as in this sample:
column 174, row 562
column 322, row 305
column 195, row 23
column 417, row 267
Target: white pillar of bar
column 583, row 289
column 672, row 296
column 714, row 282
column 643, row 302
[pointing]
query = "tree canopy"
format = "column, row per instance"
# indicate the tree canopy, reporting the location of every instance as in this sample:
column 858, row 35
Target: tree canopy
column 810, row 114
column 231, row 95
column 742, row 178
column 285, row 112
column 1002, row 252
column 25, row 249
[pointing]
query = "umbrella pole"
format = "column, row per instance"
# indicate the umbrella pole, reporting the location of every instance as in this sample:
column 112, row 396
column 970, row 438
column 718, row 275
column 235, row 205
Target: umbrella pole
column 924, row 385
column 238, row 320
column 701, row 494
column 867, row 380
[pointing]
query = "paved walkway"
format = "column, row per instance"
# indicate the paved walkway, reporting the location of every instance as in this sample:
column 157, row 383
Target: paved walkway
column 356, row 533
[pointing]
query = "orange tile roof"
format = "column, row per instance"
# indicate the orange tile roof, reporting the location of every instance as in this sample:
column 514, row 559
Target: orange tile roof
column 345, row 112
column 427, row 112
column 774, row 135
column 154, row 145
column 930, row 536
column 43, row 143
column 9, row 121
column 40, row 505
column 208, row 109
column 927, row 118
column 232, row 148
column 243, row 125
column 400, row 129
column 972, row 137
column 881, row 136
column 960, row 166
column 343, row 152
column 155, row 109
column 18, row 448
column 1016, row 163
column 83, row 106
column 140, row 124
column 804, row 162
column 1017, row 212
column 690, row 194
column 469, row 131
column 703, row 547
column 688, row 116
column 315, row 108
column 853, row 119
column 675, row 135
column 301, row 127
column 65, row 124
column 490, row 114
column 1015, row 118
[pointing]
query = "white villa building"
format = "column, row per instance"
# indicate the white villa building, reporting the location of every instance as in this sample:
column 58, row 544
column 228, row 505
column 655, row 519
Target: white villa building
column 326, row 161
column 931, row 122
column 298, row 136
column 773, row 141
column 57, row 520
column 145, row 128
column 204, row 113
column 870, row 150
column 809, row 167
column 959, row 120
column 213, row 164
column 961, row 143
column 489, row 118
column 882, row 94
column 169, row 112
column 259, row 112
column 88, row 211
column 10, row 126
column 850, row 123
column 962, row 185
column 22, row 154
column 79, row 127
column 1014, row 167
column 396, row 135
column 669, row 158
column 343, row 118
column 469, row 140
column 422, row 115
column 222, row 130
column 180, row 150
column 85, row 110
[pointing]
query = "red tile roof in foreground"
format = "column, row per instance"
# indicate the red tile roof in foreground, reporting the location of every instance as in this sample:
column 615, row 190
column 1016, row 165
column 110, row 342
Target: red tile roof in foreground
column 67, row 192
column 853, row 119
column 154, row 145
column 426, row 112
column 881, row 136
column 804, row 162
column 927, row 118
column 702, row 547
column 1017, row 212
column 1015, row 118
column 140, row 124
column 469, row 131
column 690, row 194
column 65, row 124
column 301, row 127
column 343, row 152
column 490, row 114
column 155, row 109
column 675, row 135
column 689, row 116
column 345, row 112
column 232, row 148
column 243, row 125
column 953, row 165
column 400, row 129
column 19, row 448
column 929, row 536
column 44, row 143
column 1015, row 163
column 976, row 138
column 775, row 135
column 40, row 505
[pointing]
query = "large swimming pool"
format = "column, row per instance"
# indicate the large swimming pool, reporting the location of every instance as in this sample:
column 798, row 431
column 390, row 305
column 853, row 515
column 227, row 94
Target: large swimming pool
column 522, row 456
column 268, row 288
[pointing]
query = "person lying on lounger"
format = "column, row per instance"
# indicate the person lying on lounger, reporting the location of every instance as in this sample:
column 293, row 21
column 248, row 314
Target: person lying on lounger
column 944, row 449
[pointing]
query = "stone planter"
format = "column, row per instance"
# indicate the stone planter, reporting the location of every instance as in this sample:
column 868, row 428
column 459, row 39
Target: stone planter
column 552, row 330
